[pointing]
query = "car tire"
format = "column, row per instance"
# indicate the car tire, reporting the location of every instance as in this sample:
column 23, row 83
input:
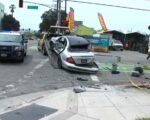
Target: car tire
column 25, row 54
column 21, row 60
column 59, row 63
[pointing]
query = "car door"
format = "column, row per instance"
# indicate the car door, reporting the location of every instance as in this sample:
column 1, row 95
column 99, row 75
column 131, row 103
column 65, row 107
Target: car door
column 25, row 41
column 60, row 45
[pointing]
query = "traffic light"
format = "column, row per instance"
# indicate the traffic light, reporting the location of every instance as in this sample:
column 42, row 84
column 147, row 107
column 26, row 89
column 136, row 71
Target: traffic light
column 66, row 22
column 149, row 27
column 20, row 3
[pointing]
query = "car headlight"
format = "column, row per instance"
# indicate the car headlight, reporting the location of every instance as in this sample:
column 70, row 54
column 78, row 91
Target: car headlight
column 18, row 48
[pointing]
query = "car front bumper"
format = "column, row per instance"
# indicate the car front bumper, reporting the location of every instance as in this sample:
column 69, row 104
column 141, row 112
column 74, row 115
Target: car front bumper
column 11, row 55
column 85, row 69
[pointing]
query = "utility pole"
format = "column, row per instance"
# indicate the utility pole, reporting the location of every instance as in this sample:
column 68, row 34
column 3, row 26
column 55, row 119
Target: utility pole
column 58, row 15
column 66, row 8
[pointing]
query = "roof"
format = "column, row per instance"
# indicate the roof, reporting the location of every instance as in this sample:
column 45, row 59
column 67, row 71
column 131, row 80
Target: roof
column 11, row 33
column 83, row 30
column 135, row 33
column 60, row 27
column 114, row 31
column 75, row 40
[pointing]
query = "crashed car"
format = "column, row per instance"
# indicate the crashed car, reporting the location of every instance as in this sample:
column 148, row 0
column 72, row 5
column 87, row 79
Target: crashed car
column 74, row 54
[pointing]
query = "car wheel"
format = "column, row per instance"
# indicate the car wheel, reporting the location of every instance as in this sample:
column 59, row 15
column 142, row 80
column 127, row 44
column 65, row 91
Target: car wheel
column 59, row 63
column 21, row 60
column 25, row 54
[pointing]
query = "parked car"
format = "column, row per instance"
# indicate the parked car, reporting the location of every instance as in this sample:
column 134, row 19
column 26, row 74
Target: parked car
column 117, row 45
column 13, row 46
column 74, row 54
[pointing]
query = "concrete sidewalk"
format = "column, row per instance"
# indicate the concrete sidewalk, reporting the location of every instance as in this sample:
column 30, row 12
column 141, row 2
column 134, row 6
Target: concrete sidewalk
column 106, row 103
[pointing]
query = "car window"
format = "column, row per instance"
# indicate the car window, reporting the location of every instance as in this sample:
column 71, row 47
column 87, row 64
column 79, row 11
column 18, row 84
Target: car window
column 78, row 44
column 10, row 38
column 60, row 44
column 74, row 40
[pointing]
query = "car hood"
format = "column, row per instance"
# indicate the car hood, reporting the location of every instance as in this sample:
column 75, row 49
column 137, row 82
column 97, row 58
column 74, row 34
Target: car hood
column 9, row 44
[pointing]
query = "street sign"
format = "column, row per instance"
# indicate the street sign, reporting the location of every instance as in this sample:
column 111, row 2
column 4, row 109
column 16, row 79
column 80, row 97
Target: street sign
column 32, row 7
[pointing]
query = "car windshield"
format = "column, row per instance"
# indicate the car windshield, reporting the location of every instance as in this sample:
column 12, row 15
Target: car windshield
column 10, row 38
column 117, row 41
column 74, row 59
column 79, row 48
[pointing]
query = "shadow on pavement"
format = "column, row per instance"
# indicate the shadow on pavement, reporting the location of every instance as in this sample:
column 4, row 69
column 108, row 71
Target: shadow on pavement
column 27, row 60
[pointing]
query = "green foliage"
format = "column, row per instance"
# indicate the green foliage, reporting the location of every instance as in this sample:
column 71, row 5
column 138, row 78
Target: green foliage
column 28, row 34
column 9, row 22
column 50, row 18
column 143, row 119
column 83, row 30
column 37, row 34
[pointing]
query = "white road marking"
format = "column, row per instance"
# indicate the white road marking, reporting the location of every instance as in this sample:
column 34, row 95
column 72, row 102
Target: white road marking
column 38, row 66
column 94, row 78
column 10, row 86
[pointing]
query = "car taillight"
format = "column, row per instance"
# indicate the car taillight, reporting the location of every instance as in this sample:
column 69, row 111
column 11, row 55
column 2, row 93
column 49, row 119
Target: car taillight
column 70, row 60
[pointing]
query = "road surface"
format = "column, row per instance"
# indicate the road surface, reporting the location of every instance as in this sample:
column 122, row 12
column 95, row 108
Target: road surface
column 37, row 74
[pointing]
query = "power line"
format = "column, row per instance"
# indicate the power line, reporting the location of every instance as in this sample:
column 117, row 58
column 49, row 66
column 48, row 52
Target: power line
column 109, row 5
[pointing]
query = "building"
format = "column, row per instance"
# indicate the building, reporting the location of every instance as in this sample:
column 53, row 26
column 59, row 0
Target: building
column 137, row 41
column 78, row 23
column 1, row 12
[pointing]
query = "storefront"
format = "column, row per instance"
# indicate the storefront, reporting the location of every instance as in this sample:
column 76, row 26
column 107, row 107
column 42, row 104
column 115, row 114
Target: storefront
column 137, row 41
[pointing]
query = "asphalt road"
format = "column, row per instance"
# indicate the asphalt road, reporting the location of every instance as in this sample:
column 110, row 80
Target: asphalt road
column 37, row 74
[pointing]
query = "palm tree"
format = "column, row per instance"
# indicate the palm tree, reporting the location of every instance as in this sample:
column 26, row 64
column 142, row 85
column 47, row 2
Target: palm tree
column 12, row 8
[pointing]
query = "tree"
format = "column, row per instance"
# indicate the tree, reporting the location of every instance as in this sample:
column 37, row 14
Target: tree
column 50, row 18
column 10, row 23
column 12, row 8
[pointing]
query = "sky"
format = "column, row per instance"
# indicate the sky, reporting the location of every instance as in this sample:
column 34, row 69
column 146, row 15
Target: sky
column 115, row 18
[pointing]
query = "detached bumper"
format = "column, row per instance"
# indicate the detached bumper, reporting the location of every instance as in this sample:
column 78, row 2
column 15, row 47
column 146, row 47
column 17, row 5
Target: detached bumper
column 85, row 69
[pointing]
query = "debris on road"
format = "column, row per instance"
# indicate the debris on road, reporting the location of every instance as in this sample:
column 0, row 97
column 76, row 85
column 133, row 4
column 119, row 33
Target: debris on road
column 140, row 84
column 135, row 74
column 82, row 79
column 118, row 59
column 114, row 69
column 79, row 89
column 139, row 68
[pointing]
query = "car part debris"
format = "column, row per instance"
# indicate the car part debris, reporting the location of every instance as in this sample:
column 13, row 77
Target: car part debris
column 139, row 68
column 118, row 59
column 114, row 69
column 82, row 79
column 134, row 84
column 79, row 89
column 135, row 74
column 115, row 72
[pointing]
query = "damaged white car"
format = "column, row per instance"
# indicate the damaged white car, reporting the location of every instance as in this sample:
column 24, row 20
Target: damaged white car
column 74, row 54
